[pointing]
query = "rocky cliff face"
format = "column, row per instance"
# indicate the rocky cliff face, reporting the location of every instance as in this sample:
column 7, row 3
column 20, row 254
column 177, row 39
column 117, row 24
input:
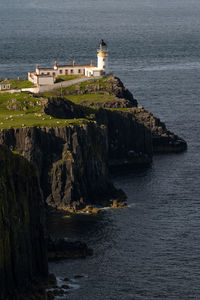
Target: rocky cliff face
column 22, row 245
column 163, row 140
column 73, row 160
column 129, row 142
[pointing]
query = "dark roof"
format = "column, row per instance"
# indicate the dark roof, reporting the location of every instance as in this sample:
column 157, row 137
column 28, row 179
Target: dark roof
column 102, row 44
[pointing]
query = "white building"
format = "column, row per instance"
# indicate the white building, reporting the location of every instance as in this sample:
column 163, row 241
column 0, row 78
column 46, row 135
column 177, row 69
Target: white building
column 4, row 86
column 47, row 76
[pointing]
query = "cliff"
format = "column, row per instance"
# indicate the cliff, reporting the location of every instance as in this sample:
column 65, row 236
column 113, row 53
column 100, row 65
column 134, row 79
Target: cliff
column 163, row 140
column 22, row 246
column 76, row 134
column 129, row 142
column 72, row 162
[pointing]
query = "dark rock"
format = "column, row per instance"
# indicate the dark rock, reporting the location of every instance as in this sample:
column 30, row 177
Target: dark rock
column 72, row 162
column 61, row 248
column 57, row 292
column 22, row 246
column 119, row 90
column 52, row 280
column 163, row 140
column 62, row 108
column 129, row 142
column 66, row 279
column 65, row 287
column 78, row 276
column 50, row 295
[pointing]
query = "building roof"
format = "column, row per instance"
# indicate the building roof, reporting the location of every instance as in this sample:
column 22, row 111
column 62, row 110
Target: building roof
column 102, row 43
column 102, row 46
column 7, row 83
column 47, row 69
column 72, row 66
column 40, row 75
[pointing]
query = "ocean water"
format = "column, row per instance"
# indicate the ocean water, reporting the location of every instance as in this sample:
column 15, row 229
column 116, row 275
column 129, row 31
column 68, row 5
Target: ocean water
column 151, row 250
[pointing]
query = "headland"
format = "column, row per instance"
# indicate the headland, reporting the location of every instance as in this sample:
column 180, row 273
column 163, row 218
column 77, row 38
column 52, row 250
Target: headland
column 75, row 136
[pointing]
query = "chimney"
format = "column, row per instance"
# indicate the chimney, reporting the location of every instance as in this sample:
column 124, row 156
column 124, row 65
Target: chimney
column 92, row 64
column 37, row 70
column 74, row 63
column 55, row 65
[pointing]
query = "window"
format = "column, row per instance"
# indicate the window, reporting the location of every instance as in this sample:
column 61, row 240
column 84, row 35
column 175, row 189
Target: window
column 60, row 71
column 79, row 71
column 72, row 71
column 104, row 59
column 66, row 72
column 48, row 73
column 103, row 67
column 54, row 73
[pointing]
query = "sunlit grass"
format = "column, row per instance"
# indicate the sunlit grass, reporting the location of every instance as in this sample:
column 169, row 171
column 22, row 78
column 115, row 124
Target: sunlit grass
column 29, row 114
column 19, row 83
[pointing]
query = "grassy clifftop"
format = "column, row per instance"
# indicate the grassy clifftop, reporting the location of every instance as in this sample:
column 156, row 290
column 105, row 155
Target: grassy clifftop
column 78, row 104
column 27, row 110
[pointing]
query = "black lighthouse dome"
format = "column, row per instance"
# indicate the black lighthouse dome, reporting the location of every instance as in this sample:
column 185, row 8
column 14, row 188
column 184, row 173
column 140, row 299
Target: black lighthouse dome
column 103, row 46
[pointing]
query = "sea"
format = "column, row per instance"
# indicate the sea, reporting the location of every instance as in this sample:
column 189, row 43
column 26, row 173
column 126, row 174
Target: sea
column 150, row 250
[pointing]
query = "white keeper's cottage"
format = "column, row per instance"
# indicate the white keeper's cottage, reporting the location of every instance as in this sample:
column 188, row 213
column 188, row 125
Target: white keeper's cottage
column 47, row 76
column 4, row 86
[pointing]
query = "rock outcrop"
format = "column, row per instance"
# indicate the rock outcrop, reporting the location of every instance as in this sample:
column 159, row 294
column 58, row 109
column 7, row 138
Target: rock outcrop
column 72, row 162
column 62, row 249
column 129, row 142
column 23, row 256
column 163, row 140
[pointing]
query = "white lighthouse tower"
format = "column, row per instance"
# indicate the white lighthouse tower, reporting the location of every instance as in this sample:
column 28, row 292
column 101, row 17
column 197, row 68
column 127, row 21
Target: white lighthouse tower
column 102, row 57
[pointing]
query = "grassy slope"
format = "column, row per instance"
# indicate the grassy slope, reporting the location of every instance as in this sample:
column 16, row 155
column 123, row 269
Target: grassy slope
column 19, row 83
column 29, row 107
column 28, row 114
column 81, row 87
column 85, row 97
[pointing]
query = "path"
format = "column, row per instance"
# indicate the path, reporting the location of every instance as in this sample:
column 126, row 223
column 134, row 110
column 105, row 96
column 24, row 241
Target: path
column 47, row 88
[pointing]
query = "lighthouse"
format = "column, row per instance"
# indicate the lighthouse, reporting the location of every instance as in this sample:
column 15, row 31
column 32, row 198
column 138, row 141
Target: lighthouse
column 102, row 56
column 47, row 76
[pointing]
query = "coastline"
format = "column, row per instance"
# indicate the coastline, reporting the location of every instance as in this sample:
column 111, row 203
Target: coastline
column 74, row 161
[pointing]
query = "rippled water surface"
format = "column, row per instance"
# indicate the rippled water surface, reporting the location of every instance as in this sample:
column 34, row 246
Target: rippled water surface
column 150, row 250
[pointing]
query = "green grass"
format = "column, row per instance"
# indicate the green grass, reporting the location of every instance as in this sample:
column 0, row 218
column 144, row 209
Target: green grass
column 15, row 152
column 125, row 109
column 67, row 77
column 97, row 84
column 29, row 113
column 19, row 83
column 89, row 99
column 26, row 110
